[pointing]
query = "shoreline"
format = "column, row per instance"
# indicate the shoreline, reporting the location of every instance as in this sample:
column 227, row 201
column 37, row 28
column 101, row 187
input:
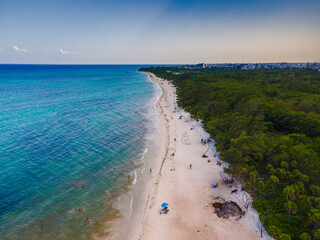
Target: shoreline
column 130, row 204
column 187, row 191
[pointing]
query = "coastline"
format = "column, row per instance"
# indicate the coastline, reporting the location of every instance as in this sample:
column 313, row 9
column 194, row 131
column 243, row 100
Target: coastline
column 129, row 204
column 187, row 191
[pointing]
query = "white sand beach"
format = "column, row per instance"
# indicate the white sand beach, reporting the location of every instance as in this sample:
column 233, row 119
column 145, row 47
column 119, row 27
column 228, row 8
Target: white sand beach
column 188, row 191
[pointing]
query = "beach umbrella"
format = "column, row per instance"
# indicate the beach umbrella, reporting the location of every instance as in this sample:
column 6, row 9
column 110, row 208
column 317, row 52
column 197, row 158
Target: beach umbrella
column 164, row 204
column 181, row 116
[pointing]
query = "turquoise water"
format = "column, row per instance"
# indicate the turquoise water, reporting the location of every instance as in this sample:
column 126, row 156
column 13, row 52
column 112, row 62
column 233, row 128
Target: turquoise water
column 69, row 137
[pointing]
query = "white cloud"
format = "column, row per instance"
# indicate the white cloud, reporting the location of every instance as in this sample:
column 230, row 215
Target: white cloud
column 21, row 49
column 65, row 52
column 1, row 49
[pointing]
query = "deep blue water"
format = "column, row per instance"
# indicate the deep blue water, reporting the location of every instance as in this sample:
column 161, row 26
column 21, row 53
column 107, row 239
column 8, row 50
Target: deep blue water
column 69, row 135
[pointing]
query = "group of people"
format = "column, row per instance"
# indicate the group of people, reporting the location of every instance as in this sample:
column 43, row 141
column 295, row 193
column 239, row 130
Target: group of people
column 87, row 221
column 164, row 210
column 214, row 185
column 204, row 141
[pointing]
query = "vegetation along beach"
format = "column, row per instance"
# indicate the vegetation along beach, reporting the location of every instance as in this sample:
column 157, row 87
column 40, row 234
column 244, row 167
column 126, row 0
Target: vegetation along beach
column 265, row 124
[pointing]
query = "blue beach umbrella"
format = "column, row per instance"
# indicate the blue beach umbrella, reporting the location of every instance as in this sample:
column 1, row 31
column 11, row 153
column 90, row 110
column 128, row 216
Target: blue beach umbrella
column 164, row 204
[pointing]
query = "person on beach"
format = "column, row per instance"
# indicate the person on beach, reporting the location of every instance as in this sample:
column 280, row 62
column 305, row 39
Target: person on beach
column 150, row 170
column 128, row 177
column 87, row 221
column 190, row 166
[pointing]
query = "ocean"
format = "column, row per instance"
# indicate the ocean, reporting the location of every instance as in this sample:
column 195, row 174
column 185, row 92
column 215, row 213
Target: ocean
column 69, row 137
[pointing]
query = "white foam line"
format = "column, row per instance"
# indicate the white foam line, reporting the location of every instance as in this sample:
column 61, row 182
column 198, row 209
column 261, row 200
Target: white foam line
column 143, row 154
column 135, row 178
column 145, row 151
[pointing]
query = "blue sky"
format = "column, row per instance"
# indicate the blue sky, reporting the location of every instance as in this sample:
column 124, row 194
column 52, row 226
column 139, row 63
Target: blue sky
column 169, row 31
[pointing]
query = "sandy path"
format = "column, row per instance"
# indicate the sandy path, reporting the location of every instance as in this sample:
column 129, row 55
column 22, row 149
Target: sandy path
column 187, row 190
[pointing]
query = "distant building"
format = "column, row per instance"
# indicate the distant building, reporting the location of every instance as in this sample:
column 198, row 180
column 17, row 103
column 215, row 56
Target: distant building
column 251, row 66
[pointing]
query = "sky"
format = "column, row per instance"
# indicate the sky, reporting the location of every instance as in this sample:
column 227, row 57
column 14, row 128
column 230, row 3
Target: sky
column 159, row 32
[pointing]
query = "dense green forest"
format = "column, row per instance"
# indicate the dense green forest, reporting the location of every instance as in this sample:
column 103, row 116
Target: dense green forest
column 266, row 124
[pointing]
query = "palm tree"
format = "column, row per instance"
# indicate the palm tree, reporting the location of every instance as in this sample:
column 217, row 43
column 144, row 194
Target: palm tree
column 291, row 207
column 290, row 192
column 275, row 181
column 305, row 236
column 284, row 236
column 317, row 234
column 260, row 184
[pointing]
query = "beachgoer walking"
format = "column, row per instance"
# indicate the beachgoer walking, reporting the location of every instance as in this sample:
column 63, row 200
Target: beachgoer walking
column 190, row 166
column 87, row 221
column 150, row 170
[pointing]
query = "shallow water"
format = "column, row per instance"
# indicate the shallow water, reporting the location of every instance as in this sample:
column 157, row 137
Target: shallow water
column 69, row 137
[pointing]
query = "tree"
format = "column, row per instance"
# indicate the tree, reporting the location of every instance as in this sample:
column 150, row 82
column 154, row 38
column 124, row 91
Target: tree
column 294, row 164
column 275, row 182
column 260, row 185
column 315, row 217
column 297, row 174
column 284, row 165
column 290, row 192
column 305, row 236
column 244, row 171
column 234, row 157
column 284, row 236
column 304, row 201
column 317, row 234
column 300, row 187
column 291, row 207
column 271, row 169
column 305, row 178
column 274, row 231
column 283, row 173
column 253, row 176
column 315, row 190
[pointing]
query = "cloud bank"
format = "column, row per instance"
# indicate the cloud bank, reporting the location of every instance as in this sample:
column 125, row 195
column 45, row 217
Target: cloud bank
column 21, row 49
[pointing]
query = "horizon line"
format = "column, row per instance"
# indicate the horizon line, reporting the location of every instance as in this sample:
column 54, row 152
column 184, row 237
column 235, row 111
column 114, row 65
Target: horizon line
column 132, row 64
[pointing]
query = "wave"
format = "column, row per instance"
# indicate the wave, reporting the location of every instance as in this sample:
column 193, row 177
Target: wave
column 142, row 160
column 135, row 178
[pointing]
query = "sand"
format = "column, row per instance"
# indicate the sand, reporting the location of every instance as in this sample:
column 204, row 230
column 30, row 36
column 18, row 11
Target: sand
column 188, row 191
